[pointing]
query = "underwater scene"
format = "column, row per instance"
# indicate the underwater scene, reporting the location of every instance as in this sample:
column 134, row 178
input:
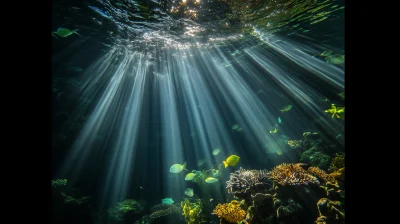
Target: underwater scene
column 198, row 111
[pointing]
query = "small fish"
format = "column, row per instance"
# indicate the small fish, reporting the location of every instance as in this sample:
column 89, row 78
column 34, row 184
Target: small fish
column 279, row 120
column 335, row 111
column 141, row 187
column 64, row 32
column 211, row 180
column 239, row 129
column 177, row 168
column 341, row 95
column 189, row 192
column 190, row 176
column 216, row 151
column 235, row 126
column 286, row 108
column 231, row 160
column 279, row 152
column 326, row 53
column 211, row 199
column 335, row 59
column 325, row 100
column 273, row 131
column 338, row 136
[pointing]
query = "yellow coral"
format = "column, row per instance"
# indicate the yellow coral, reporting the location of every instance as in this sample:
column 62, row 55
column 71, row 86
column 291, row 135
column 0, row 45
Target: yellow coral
column 315, row 171
column 337, row 162
column 332, row 210
column 292, row 174
column 192, row 211
column 339, row 174
column 294, row 143
column 231, row 212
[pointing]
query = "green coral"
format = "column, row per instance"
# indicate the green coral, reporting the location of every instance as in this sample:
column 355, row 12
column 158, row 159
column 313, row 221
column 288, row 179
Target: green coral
column 337, row 162
column 72, row 200
column 144, row 220
column 59, row 183
column 315, row 157
column 192, row 211
column 123, row 209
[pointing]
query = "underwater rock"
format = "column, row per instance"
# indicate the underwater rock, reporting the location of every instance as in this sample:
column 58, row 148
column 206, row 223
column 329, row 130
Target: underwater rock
column 260, row 199
column 289, row 213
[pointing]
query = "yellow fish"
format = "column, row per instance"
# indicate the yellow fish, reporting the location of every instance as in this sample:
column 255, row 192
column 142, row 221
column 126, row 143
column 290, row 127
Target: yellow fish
column 273, row 131
column 190, row 176
column 286, row 108
column 335, row 111
column 211, row 180
column 231, row 160
column 177, row 168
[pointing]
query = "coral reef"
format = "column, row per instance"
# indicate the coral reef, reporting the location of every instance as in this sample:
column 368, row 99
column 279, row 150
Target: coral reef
column 231, row 212
column 164, row 210
column 330, row 212
column 59, row 183
column 338, row 175
column 337, row 162
column 125, row 211
column 321, row 175
column 294, row 143
column 291, row 174
column 242, row 183
column 192, row 211
column 315, row 157
column 67, row 206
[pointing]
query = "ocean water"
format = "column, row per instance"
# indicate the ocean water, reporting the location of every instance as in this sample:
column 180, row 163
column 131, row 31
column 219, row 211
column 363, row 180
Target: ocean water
column 150, row 98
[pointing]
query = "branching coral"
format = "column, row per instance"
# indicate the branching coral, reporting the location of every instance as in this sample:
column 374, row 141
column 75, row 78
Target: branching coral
column 339, row 174
column 329, row 211
column 242, row 183
column 321, row 175
column 164, row 210
column 231, row 212
column 337, row 162
column 59, row 183
column 292, row 174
